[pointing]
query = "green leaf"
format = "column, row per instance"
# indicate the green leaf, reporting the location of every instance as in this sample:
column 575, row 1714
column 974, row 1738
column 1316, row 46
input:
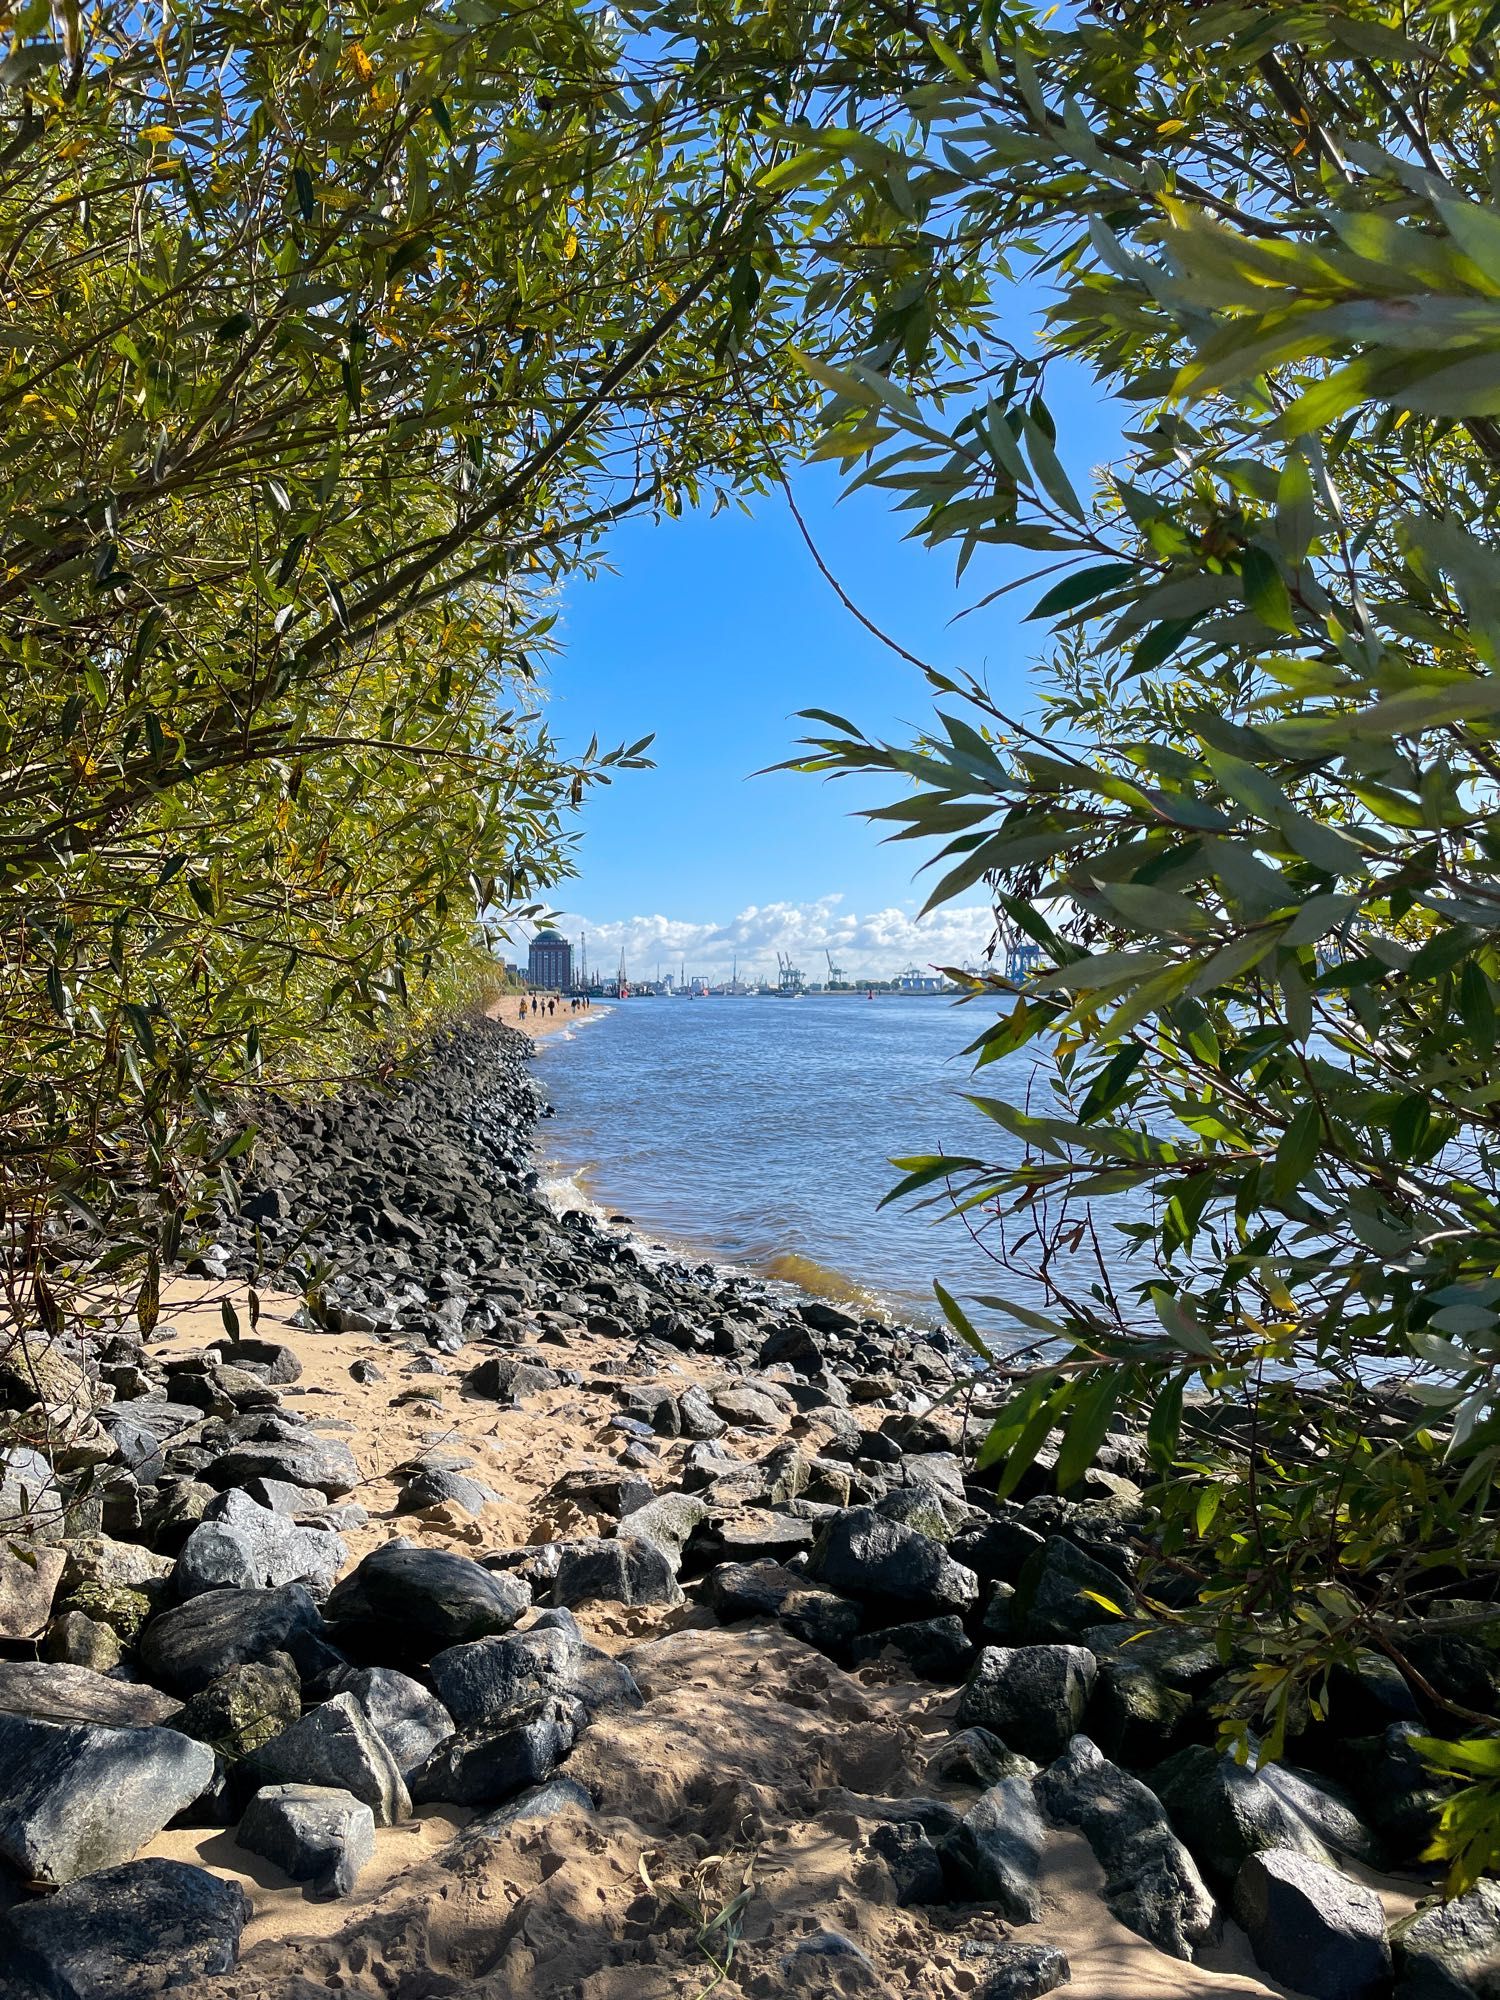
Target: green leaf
column 1090, row 1413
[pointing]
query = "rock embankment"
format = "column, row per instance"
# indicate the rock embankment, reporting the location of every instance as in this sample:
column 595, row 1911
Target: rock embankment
column 514, row 1614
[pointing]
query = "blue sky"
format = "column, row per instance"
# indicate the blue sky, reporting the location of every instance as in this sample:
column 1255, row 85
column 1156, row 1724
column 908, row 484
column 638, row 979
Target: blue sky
column 713, row 632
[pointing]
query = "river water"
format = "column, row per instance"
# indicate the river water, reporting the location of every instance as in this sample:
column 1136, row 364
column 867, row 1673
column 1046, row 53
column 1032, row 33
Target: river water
column 759, row 1133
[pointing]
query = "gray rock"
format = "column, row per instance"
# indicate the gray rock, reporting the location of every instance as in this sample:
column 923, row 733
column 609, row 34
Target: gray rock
column 1033, row 1697
column 1226, row 1812
column 1012, row 1971
column 517, row 1750
column 28, row 1583
column 669, row 1521
column 698, row 1417
column 765, row 1590
column 126, row 1933
column 1452, row 1951
column 314, row 1833
column 507, row 1380
column 56, row 1692
column 278, row 1494
column 80, row 1641
column 1397, row 1792
column 916, row 1867
column 321, row 1464
column 413, row 1600
column 29, row 1491
column 623, row 1571
column 1313, row 1927
column 977, row 1757
column 935, row 1649
column 1151, row 1881
column 1057, row 1593
column 334, row 1744
column 191, row 1644
column 408, row 1720
column 995, row 1854
column 487, row 1678
column 433, row 1486
column 75, row 1796
column 1135, row 1716
column 747, row 1406
column 244, row 1707
column 864, row 1554
column 100, row 1559
column 749, row 1534
column 278, row 1361
column 246, row 1547
column 540, row 1802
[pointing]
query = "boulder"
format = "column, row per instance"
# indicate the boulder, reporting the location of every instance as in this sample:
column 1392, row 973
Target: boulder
column 1452, row 1951
column 410, row 1601
column 334, row 1744
column 1313, row 1927
column 935, row 1649
column 1397, row 1792
column 558, row 1795
column 1151, row 1882
column 321, row 1464
column 995, row 1853
column 1033, row 1697
column 519, row 1749
column 1135, row 1716
column 408, row 1720
column 486, row 1679
column 434, row 1486
column 1007, row 1970
column 56, row 1692
column 114, row 1565
column 913, row 1861
column 276, row 1361
column 314, row 1833
column 245, row 1546
column 864, row 1554
column 28, row 1584
column 80, row 1641
column 1226, row 1812
column 126, row 1933
column 622, row 1571
column 243, row 1708
column 765, row 1590
column 29, row 1490
column 1057, row 1593
column 507, row 1380
column 75, row 1796
column 669, row 1522
column 748, row 1534
column 977, row 1757
column 191, row 1644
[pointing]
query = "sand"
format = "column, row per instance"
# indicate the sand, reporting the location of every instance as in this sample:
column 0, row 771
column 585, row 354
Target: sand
column 538, row 1026
column 749, row 1768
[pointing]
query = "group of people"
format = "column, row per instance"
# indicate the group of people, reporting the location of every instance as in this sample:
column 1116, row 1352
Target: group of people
column 539, row 1004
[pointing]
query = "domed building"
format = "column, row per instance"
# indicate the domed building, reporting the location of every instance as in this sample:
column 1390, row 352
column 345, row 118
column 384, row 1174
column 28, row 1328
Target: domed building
column 550, row 965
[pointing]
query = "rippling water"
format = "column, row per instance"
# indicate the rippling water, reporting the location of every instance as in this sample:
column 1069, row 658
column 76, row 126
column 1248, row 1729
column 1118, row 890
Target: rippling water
column 759, row 1133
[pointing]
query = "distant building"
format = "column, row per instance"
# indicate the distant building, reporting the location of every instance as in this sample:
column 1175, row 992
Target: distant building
column 551, row 962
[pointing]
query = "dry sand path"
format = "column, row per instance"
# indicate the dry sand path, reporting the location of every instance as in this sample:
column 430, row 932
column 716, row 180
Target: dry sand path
column 750, row 1765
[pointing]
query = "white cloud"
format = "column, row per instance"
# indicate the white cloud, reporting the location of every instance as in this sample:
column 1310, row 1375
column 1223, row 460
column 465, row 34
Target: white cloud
column 876, row 945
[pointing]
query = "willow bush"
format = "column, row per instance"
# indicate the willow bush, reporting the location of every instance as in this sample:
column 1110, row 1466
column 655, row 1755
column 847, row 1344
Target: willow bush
column 1252, row 818
column 333, row 340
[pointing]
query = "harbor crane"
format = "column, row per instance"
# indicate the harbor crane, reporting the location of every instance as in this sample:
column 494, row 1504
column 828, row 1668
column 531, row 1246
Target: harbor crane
column 835, row 972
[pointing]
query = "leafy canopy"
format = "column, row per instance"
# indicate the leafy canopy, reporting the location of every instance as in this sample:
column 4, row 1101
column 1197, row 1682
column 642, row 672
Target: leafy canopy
column 1254, row 824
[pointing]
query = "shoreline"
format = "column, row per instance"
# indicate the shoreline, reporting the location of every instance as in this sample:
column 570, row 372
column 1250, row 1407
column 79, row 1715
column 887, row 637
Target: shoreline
column 730, row 1545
